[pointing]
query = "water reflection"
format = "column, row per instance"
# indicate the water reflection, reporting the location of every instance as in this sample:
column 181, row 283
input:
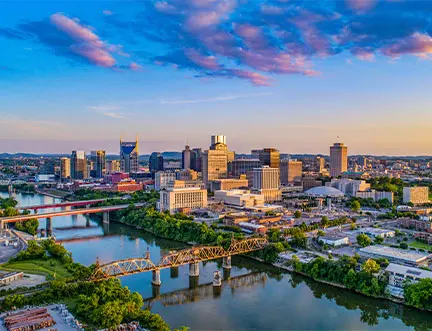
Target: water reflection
column 252, row 296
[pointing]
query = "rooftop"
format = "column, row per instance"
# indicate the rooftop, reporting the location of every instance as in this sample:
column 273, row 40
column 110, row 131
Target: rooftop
column 396, row 253
column 419, row 273
column 325, row 191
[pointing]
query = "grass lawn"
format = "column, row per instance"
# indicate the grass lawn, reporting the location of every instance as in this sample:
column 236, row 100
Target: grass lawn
column 419, row 244
column 38, row 267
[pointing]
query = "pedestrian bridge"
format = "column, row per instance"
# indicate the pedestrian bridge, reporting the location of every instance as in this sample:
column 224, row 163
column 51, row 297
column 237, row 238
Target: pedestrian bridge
column 191, row 256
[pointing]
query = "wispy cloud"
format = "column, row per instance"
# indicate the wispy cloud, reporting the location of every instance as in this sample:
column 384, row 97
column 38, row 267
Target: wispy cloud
column 108, row 110
column 113, row 115
column 214, row 99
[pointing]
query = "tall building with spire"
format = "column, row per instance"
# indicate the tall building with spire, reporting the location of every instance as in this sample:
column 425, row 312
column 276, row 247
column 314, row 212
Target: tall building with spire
column 129, row 156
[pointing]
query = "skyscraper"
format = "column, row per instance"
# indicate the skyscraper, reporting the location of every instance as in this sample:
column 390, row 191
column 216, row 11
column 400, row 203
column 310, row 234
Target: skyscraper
column 320, row 164
column 291, row 171
column 266, row 181
column 112, row 166
column 129, row 156
column 218, row 142
column 268, row 157
column 156, row 163
column 214, row 165
column 78, row 165
column 186, row 158
column 65, row 168
column 338, row 159
column 196, row 159
column 100, row 164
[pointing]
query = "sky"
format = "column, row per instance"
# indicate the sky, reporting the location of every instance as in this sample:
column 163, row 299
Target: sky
column 294, row 75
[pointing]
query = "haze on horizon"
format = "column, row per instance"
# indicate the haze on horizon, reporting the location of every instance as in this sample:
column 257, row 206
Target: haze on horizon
column 292, row 75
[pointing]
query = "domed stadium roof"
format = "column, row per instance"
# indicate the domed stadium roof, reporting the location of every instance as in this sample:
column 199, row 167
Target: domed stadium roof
column 324, row 191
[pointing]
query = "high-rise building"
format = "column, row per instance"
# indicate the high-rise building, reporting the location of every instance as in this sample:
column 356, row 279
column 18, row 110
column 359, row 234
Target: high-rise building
column 164, row 179
column 266, row 181
column 416, row 195
column 268, row 157
column 291, row 171
column 218, row 142
column 214, row 165
column 78, row 165
column 112, row 166
column 196, row 161
column 218, row 139
column 186, row 158
column 100, row 163
column 239, row 167
column 129, row 156
column 338, row 159
column 65, row 168
column 320, row 164
column 156, row 163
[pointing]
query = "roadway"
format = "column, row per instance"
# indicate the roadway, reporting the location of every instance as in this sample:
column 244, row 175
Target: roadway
column 63, row 204
column 18, row 218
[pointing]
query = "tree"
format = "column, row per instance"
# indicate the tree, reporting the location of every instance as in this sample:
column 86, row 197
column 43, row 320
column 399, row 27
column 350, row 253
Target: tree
column 350, row 280
column 299, row 239
column 355, row 206
column 419, row 294
column 403, row 245
column 379, row 240
column 370, row 266
column 320, row 233
column 363, row 240
column 325, row 221
column 297, row 214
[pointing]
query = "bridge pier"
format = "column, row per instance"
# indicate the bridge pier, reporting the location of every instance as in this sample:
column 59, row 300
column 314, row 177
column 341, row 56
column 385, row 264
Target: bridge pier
column 106, row 217
column 226, row 262
column 48, row 226
column 2, row 225
column 156, row 281
column 217, row 279
column 194, row 269
column 87, row 217
column 174, row 272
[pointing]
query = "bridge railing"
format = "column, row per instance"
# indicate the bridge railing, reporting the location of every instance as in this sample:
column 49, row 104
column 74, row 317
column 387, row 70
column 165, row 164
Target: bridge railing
column 175, row 259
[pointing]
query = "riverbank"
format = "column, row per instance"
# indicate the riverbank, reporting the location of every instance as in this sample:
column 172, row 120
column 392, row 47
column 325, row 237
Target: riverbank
column 52, row 193
column 289, row 269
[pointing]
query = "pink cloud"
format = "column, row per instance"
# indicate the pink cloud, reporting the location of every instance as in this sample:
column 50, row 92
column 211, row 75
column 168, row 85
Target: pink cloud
column 360, row 5
column 207, row 62
column 254, row 77
column 73, row 29
column 87, row 44
column 210, row 16
column 135, row 66
column 418, row 44
column 363, row 54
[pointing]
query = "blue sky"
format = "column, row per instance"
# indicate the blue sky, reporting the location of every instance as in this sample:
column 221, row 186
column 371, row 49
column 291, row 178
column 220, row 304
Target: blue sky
column 287, row 74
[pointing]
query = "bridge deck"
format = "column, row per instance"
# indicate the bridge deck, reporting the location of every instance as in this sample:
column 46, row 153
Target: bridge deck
column 13, row 219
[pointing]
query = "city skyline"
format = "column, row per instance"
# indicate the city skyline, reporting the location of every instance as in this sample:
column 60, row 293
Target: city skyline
column 290, row 75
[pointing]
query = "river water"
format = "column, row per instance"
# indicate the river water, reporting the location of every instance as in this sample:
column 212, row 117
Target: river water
column 254, row 296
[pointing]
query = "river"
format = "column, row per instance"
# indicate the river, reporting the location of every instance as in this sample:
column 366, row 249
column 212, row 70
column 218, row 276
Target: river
column 256, row 297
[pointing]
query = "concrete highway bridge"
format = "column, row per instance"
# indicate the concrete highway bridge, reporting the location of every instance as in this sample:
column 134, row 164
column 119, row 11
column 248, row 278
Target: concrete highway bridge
column 86, row 203
column 191, row 256
column 48, row 216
